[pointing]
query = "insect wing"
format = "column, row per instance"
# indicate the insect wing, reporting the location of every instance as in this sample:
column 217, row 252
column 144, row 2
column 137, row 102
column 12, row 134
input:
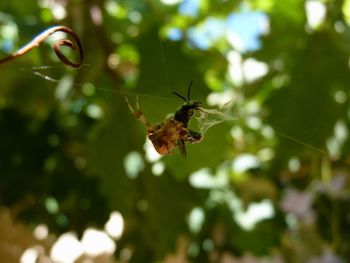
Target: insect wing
column 182, row 147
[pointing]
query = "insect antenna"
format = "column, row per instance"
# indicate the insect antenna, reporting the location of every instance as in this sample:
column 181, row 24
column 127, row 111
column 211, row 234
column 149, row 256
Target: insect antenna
column 189, row 91
column 180, row 96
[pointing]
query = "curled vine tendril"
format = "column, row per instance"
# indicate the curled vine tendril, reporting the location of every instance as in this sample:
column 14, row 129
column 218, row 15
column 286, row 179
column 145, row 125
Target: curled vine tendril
column 56, row 46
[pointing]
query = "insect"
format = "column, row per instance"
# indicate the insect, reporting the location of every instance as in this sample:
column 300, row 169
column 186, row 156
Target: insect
column 173, row 132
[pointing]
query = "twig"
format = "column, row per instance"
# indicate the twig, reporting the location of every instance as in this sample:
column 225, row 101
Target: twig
column 56, row 46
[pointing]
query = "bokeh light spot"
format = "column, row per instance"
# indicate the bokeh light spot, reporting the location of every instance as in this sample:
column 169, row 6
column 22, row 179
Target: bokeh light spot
column 30, row 255
column 41, row 232
column 115, row 225
column 135, row 17
column 66, row 249
column 196, row 219
column 254, row 214
column 94, row 111
column 340, row 96
column 171, row 2
column 51, row 205
column 294, row 164
column 244, row 162
column 158, row 168
column 315, row 13
column 88, row 89
column 95, row 242
column 133, row 164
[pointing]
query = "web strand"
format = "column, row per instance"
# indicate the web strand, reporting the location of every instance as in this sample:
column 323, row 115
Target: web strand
column 35, row 71
column 207, row 118
column 162, row 53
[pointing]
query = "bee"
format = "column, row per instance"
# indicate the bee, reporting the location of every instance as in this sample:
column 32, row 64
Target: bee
column 173, row 132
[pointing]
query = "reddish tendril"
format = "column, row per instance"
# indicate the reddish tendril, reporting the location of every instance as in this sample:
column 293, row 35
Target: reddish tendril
column 57, row 46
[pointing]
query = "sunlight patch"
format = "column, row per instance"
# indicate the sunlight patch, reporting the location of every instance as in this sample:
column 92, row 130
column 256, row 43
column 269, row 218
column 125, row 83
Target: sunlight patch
column 346, row 11
column 227, row 197
column 41, row 232
column 9, row 30
column 204, row 179
column 253, row 69
column 196, row 219
column 57, row 8
column 133, row 164
column 237, row 133
column 255, row 213
column 115, row 225
column 95, row 242
column 235, row 41
column 341, row 131
column 294, row 165
column 66, row 249
column 94, row 111
column 135, row 16
column 267, row 132
column 335, row 143
column 266, row 154
column 340, row 96
column 235, row 67
column 220, row 98
column 254, row 122
column 158, row 168
column 171, row 2
column 31, row 255
column 315, row 13
column 115, row 10
column 245, row 162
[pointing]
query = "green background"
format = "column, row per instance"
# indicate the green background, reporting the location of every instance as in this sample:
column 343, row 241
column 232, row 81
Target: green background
column 65, row 142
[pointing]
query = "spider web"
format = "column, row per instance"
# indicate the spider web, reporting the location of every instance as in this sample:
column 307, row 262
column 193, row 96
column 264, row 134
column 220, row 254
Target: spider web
column 208, row 118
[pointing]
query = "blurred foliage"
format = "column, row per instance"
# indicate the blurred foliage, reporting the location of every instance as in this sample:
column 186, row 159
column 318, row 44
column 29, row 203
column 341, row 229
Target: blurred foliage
column 271, row 185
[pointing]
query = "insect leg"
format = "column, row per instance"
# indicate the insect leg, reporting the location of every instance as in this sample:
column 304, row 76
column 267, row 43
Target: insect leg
column 193, row 136
column 137, row 113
